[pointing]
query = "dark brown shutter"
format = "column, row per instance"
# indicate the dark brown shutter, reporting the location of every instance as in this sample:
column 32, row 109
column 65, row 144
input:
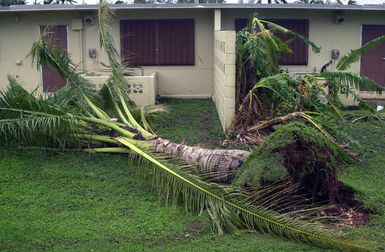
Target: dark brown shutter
column 300, row 49
column 158, row 42
column 55, row 36
column 138, row 42
column 176, row 43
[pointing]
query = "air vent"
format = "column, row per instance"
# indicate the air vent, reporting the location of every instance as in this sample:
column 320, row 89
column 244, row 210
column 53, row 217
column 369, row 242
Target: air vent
column 89, row 20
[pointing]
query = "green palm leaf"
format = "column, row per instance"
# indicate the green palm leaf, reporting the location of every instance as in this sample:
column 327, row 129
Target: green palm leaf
column 26, row 118
column 354, row 55
column 284, row 30
column 38, row 128
column 346, row 80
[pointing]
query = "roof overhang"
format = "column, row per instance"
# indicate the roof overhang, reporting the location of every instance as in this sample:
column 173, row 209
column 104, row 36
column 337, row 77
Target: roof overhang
column 94, row 7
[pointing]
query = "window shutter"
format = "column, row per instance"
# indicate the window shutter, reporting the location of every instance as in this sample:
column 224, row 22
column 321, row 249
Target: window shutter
column 158, row 42
column 176, row 42
column 300, row 49
column 138, row 42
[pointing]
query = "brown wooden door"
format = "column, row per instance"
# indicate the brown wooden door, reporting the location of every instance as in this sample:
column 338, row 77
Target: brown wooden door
column 56, row 36
column 373, row 62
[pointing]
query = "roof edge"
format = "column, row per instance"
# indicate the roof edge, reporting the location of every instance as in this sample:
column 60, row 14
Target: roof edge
column 93, row 7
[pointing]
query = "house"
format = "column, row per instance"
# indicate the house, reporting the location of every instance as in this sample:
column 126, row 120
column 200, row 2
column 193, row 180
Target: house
column 185, row 50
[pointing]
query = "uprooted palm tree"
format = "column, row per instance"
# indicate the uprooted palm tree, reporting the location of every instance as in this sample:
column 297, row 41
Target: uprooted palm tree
column 75, row 118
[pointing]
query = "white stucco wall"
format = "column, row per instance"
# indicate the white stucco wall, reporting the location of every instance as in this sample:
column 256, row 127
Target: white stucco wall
column 19, row 30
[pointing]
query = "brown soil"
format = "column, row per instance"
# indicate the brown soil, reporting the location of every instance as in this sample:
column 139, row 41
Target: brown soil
column 346, row 217
column 351, row 211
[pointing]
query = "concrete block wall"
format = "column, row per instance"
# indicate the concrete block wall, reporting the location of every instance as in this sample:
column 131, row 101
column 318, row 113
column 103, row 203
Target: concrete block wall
column 224, row 76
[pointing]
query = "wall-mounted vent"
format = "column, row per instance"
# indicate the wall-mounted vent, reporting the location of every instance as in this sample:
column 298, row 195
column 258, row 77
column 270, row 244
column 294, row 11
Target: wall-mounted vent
column 339, row 17
column 89, row 20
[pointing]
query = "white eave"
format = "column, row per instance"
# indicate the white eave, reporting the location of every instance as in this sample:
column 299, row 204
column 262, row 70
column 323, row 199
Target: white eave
column 82, row 7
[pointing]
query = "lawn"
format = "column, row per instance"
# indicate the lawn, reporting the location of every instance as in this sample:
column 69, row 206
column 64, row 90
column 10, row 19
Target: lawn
column 85, row 202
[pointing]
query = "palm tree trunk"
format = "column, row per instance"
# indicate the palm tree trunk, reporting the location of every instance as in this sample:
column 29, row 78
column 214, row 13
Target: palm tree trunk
column 218, row 164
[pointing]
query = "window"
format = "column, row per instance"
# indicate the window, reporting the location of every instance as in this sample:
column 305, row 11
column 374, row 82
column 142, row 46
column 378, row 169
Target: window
column 158, row 42
column 300, row 49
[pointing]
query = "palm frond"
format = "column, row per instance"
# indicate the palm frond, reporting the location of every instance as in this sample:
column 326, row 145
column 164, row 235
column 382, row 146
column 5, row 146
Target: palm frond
column 354, row 55
column 116, row 83
column 15, row 96
column 284, row 30
column 107, row 43
column 105, row 17
column 38, row 129
column 119, row 150
column 347, row 80
column 26, row 118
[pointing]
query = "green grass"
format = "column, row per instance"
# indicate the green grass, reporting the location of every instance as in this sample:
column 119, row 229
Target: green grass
column 191, row 122
column 367, row 177
column 81, row 202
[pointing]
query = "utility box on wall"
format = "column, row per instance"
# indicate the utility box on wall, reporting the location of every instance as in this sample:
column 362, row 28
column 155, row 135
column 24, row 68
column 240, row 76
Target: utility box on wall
column 141, row 89
column 76, row 24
